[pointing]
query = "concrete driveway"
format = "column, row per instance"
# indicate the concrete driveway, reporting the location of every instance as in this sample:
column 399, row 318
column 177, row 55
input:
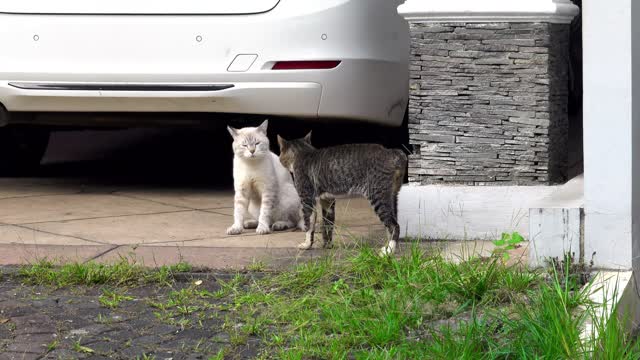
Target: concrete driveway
column 73, row 219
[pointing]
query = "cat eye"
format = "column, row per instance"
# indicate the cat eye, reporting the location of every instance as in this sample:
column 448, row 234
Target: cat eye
column 257, row 143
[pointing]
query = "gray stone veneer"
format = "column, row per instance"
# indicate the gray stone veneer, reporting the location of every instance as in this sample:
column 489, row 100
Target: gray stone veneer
column 488, row 103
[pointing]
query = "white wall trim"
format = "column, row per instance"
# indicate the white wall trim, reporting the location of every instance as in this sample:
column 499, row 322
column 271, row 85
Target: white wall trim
column 490, row 11
column 443, row 212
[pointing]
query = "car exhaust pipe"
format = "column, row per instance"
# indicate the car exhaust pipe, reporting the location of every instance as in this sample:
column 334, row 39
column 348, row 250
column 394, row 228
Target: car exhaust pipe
column 4, row 116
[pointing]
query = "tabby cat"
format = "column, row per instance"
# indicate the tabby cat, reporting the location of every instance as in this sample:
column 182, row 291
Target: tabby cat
column 369, row 170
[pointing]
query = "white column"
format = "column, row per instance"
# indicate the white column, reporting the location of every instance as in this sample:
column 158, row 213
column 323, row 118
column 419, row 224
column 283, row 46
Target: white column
column 553, row 11
column 608, row 135
column 635, row 212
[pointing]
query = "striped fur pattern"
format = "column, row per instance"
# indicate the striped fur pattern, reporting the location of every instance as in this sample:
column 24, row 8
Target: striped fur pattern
column 367, row 170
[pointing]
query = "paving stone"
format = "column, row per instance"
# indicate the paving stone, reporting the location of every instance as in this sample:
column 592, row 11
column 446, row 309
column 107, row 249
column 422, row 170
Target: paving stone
column 9, row 355
column 27, row 346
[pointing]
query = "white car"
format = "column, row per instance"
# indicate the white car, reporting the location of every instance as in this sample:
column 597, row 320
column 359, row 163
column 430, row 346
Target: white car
column 325, row 59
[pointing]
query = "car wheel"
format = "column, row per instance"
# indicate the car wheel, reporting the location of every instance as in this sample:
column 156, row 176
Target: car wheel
column 21, row 149
column 398, row 137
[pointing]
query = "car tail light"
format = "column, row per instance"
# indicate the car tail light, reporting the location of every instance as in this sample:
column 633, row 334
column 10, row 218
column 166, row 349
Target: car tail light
column 305, row 65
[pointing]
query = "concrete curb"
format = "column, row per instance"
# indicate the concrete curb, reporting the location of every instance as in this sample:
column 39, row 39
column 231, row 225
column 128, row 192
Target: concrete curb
column 617, row 293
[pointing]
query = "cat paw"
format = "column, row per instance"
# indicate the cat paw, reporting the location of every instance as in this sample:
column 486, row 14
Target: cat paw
column 250, row 224
column 280, row 225
column 387, row 251
column 305, row 245
column 263, row 229
column 327, row 245
column 234, row 229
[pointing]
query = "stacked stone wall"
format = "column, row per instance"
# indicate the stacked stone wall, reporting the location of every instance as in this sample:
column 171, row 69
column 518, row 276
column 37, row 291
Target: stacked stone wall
column 488, row 103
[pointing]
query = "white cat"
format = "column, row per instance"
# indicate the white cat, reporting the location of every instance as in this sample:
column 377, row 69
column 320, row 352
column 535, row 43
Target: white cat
column 265, row 197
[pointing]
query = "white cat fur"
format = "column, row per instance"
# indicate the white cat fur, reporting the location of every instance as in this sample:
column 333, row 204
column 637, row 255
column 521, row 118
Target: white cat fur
column 265, row 197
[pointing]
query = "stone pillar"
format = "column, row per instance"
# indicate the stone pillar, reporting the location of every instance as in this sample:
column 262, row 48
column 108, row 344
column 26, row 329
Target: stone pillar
column 489, row 91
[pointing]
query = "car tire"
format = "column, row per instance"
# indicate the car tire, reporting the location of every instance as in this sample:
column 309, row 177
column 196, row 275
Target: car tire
column 22, row 149
column 398, row 137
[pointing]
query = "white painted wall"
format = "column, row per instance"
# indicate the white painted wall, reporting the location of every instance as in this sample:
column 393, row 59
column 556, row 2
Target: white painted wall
column 552, row 233
column 467, row 212
column 635, row 38
column 555, row 224
column 608, row 131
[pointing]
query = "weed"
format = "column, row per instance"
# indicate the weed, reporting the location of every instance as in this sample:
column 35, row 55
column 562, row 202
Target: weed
column 220, row 355
column 101, row 319
column 183, row 303
column 229, row 287
column 77, row 347
column 575, row 271
column 112, row 298
column 506, row 243
column 238, row 339
column 256, row 266
column 53, row 345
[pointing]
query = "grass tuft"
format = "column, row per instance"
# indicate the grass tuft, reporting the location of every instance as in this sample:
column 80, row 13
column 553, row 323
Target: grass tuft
column 124, row 272
column 112, row 298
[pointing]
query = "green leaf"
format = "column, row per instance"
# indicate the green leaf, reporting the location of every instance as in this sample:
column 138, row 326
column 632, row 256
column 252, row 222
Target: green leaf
column 499, row 242
column 516, row 238
column 510, row 247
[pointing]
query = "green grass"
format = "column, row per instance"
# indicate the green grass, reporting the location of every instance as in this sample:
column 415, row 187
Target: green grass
column 124, row 272
column 419, row 306
column 112, row 298
column 185, row 301
column 363, row 306
column 77, row 347
column 219, row 355
column 52, row 345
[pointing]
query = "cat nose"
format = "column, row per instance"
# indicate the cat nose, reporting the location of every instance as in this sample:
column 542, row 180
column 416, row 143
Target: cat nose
column 252, row 150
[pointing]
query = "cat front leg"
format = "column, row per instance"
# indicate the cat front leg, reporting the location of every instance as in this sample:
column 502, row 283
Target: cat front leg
column 328, row 221
column 266, row 212
column 309, row 217
column 240, row 206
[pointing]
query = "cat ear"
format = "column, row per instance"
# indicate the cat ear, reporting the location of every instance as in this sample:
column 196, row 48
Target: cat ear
column 307, row 138
column 282, row 142
column 263, row 126
column 232, row 131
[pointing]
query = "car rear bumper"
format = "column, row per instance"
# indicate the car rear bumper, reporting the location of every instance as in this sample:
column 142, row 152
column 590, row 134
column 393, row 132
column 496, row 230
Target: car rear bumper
column 360, row 91
column 367, row 36
column 244, row 98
